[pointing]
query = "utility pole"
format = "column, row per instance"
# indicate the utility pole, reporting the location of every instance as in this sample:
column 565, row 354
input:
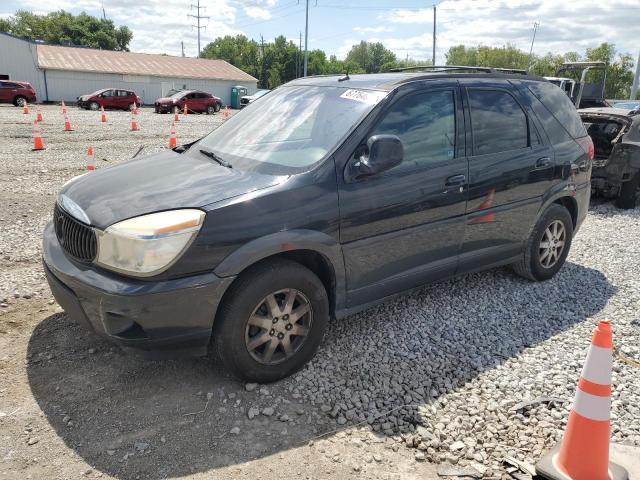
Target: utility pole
column 182, row 44
column 306, row 40
column 636, row 78
column 433, row 57
column 535, row 29
column 198, row 17
column 299, row 57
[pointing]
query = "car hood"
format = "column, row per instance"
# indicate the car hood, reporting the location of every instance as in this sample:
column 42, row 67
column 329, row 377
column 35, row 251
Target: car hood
column 84, row 97
column 163, row 181
column 165, row 100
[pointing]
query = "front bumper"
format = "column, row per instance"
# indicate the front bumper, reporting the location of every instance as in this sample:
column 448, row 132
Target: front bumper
column 164, row 107
column 156, row 318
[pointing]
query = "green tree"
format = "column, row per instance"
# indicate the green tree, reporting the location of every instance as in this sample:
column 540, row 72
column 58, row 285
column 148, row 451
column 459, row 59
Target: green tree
column 371, row 57
column 63, row 28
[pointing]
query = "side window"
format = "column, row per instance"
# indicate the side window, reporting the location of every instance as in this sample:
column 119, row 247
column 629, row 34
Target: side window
column 4, row 85
column 426, row 125
column 108, row 93
column 498, row 123
column 559, row 106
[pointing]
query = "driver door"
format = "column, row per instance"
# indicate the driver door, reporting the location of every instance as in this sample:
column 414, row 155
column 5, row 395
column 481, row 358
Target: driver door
column 404, row 227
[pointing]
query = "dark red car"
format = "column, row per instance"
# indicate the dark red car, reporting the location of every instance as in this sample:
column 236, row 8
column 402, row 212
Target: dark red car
column 16, row 92
column 109, row 98
column 195, row 100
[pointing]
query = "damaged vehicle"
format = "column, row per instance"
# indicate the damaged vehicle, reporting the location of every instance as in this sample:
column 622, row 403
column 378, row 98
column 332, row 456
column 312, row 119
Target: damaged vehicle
column 616, row 167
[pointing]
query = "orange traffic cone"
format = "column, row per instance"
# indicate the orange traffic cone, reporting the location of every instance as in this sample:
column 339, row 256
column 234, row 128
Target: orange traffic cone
column 25, row 108
column 64, row 108
column 176, row 115
column 135, row 108
column 186, row 110
column 39, row 115
column 90, row 159
column 584, row 451
column 134, row 122
column 103, row 116
column 172, row 136
column 67, row 124
column 226, row 112
column 37, row 137
column 486, row 204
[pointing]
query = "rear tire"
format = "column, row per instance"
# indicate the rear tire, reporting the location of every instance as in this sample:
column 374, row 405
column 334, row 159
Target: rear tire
column 19, row 101
column 211, row 110
column 548, row 245
column 249, row 324
column 629, row 193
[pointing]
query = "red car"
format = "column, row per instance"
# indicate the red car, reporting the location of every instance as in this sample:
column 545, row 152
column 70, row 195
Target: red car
column 195, row 100
column 16, row 92
column 113, row 98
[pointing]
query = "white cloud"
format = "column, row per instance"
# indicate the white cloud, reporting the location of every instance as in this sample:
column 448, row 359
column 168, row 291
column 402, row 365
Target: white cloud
column 257, row 12
column 378, row 29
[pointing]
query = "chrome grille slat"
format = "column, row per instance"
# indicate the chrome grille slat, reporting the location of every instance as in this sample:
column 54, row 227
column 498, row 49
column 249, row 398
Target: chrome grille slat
column 76, row 238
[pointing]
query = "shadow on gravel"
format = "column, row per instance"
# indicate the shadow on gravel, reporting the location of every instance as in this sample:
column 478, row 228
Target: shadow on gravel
column 132, row 418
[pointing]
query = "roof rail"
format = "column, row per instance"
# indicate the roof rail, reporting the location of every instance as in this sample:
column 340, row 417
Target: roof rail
column 452, row 68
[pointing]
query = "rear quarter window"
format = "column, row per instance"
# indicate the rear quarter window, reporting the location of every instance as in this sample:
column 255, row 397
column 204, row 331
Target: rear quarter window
column 558, row 104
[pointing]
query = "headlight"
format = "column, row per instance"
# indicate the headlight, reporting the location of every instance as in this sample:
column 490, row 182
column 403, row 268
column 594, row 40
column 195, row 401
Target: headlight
column 147, row 245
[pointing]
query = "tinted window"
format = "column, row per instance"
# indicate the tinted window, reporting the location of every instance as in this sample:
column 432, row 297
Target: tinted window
column 497, row 121
column 425, row 123
column 560, row 106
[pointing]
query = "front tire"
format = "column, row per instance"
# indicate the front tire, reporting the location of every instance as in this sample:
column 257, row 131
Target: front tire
column 211, row 110
column 629, row 195
column 548, row 245
column 20, row 101
column 217, row 107
column 272, row 321
column 94, row 106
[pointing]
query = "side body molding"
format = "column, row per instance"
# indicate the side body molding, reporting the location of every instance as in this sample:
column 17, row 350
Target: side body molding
column 288, row 241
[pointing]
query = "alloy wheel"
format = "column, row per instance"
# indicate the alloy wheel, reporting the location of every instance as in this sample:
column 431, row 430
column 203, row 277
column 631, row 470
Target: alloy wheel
column 552, row 244
column 278, row 326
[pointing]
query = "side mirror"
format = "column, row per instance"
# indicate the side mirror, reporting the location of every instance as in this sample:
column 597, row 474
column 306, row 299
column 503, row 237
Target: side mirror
column 383, row 152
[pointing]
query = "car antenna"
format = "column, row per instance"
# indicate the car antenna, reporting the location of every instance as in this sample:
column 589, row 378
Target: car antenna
column 345, row 77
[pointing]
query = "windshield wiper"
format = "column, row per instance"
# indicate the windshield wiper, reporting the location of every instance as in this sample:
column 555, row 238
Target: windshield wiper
column 215, row 157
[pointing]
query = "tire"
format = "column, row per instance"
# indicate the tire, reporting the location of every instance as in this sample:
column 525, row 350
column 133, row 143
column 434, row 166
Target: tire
column 131, row 107
column 629, row 195
column 217, row 107
column 94, row 106
column 247, row 299
column 535, row 265
column 19, row 101
column 211, row 110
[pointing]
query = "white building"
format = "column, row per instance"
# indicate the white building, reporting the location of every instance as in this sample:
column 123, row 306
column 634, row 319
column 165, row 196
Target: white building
column 64, row 73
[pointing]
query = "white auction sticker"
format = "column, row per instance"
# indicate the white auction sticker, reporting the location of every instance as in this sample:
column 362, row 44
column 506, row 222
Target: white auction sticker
column 365, row 96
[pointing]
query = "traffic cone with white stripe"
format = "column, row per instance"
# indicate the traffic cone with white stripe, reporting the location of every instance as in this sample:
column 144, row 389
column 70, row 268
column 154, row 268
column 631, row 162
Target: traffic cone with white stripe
column 172, row 136
column 134, row 122
column 583, row 453
column 39, row 115
column 64, row 108
column 176, row 115
column 67, row 124
column 90, row 160
column 103, row 116
column 186, row 110
column 25, row 108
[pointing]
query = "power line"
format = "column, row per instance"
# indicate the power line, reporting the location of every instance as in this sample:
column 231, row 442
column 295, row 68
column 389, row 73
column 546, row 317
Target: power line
column 198, row 17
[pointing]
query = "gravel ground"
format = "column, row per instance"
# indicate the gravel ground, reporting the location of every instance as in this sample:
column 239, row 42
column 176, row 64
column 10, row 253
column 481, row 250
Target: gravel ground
column 458, row 374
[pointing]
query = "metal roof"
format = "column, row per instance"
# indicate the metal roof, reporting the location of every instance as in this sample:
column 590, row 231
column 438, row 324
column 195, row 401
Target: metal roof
column 56, row 57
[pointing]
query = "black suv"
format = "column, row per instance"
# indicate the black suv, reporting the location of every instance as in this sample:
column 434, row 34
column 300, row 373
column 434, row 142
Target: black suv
column 327, row 196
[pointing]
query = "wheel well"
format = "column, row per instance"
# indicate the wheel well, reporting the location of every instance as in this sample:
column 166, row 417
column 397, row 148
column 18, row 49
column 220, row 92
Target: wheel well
column 15, row 99
column 314, row 261
column 571, row 205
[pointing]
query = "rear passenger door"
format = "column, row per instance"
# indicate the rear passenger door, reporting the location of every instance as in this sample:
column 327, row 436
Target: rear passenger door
column 510, row 168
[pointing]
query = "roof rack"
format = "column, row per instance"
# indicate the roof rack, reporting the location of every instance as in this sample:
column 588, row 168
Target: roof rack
column 452, row 68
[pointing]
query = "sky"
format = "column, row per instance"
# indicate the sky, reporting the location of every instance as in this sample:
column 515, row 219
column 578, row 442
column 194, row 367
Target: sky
column 404, row 26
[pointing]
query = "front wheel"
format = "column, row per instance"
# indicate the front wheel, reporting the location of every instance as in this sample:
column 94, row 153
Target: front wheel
column 272, row 321
column 629, row 195
column 94, row 106
column 20, row 101
column 217, row 107
column 548, row 245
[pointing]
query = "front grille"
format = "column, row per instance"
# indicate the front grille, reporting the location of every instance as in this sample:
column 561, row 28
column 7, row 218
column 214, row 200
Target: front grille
column 244, row 101
column 75, row 237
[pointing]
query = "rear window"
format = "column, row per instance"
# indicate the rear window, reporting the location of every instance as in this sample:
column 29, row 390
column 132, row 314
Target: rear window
column 559, row 105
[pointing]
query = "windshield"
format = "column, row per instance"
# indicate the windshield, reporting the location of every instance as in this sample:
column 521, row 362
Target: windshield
column 290, row 129
column 178, row 94
column 260, row 93
column 98, row 92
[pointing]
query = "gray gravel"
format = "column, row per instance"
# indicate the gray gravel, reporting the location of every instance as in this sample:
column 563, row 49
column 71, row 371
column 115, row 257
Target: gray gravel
column 449, row 370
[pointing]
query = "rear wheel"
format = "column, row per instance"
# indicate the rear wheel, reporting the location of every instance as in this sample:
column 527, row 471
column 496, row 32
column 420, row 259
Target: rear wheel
column 548, row 245
column 210, row 110
column 272, row 321
column 20, row 101
column 629, row 195
column 131, row 107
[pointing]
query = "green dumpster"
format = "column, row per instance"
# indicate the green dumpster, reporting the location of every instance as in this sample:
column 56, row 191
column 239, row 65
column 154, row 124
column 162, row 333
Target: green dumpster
column 237, row 92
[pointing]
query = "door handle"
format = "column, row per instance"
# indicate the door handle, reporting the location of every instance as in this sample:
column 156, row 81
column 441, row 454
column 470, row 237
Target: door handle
column 455, row 180
column 544, row 162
